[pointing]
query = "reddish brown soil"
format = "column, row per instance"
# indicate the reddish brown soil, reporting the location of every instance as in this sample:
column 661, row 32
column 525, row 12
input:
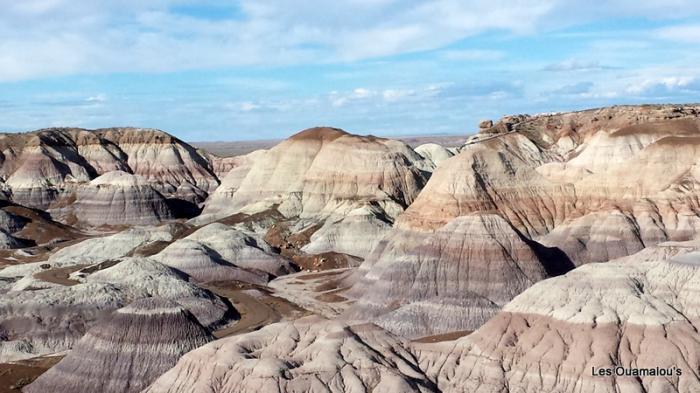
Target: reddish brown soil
column 256, row 312
column 443, row 337
column 59, row 275
column 332, row 284
column 325, row 134
column 676, row 126
column 14, row 376
column 290, row 244
column 324, row 261
column 241, row 218
column 331, row 297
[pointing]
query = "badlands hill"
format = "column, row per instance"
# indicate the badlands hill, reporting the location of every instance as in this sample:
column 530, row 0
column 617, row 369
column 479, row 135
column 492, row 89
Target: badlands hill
column 322, row 171
column 636, row 312
column 345, row 183
column 118, row 198
column 45, row 168
column 137, row 343
column 544, row 247
column 309, row 355
column 529, row 198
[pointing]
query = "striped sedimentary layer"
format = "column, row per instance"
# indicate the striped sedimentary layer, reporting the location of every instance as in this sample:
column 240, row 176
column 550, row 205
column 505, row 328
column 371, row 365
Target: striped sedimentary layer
column 52, row 318
column 220, row 252
column 596, row 185
column 237, row 170
column 559, row 334
column 120, row 198
column 454, row 279
column 324, row 171
column 42, row 321
column 145, row 277
column 97, row 250
column 356, row 233
column 42, row 166
column 127, row 350
column 307, row 355
column 635, row 313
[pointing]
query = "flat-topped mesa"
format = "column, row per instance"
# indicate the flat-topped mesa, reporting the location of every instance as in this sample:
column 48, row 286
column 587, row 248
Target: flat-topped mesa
column 41, row 166
column 126, row 351
column 120, row 198
column 558, row 335
column 590, row 184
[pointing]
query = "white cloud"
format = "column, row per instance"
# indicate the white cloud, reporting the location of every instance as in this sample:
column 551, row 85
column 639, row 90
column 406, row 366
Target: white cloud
column 361, row 92
column 393, row 95
column 664, row 85
column 575, row 65
column 41, row 38
column 472, row 55
column 100, row 98
column 680, row 33
column 248, row 106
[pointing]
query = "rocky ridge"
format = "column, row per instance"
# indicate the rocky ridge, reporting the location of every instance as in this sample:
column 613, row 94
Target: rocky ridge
column 42, row 168
column 546, row 179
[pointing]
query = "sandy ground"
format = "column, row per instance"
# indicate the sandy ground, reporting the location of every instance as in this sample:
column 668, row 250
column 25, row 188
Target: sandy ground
column 316, row 292
column 60, row 275
column 14, row 376
column 451, row 336
column 257, row 308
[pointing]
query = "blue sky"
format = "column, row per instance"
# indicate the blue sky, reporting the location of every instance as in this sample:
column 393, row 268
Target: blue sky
column 256, row 69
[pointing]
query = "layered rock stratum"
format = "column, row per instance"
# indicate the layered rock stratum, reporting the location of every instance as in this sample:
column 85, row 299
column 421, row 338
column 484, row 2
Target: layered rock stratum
column 558, row 335
column 126, row 351
column 325, row 174
column 138, row 343
column 555, row 245
column 566, row 189
column 220, row 252
column 120, row 198
column 308, row 355
column 634, row 313
column 43, row 166
column 41, row 317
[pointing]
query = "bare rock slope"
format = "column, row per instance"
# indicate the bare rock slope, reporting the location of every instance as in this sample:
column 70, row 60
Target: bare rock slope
column 308, row 355
column 434, row 153
column 40, row 167
column 559, row 334
column 126, row 351
column 326, row 173
column 41, row 317
column 120, row 198
column 220, row 252
column 636, row 313
column 565, row 189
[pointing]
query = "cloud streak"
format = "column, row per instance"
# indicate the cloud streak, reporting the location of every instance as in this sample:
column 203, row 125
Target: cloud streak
column 81, row 36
